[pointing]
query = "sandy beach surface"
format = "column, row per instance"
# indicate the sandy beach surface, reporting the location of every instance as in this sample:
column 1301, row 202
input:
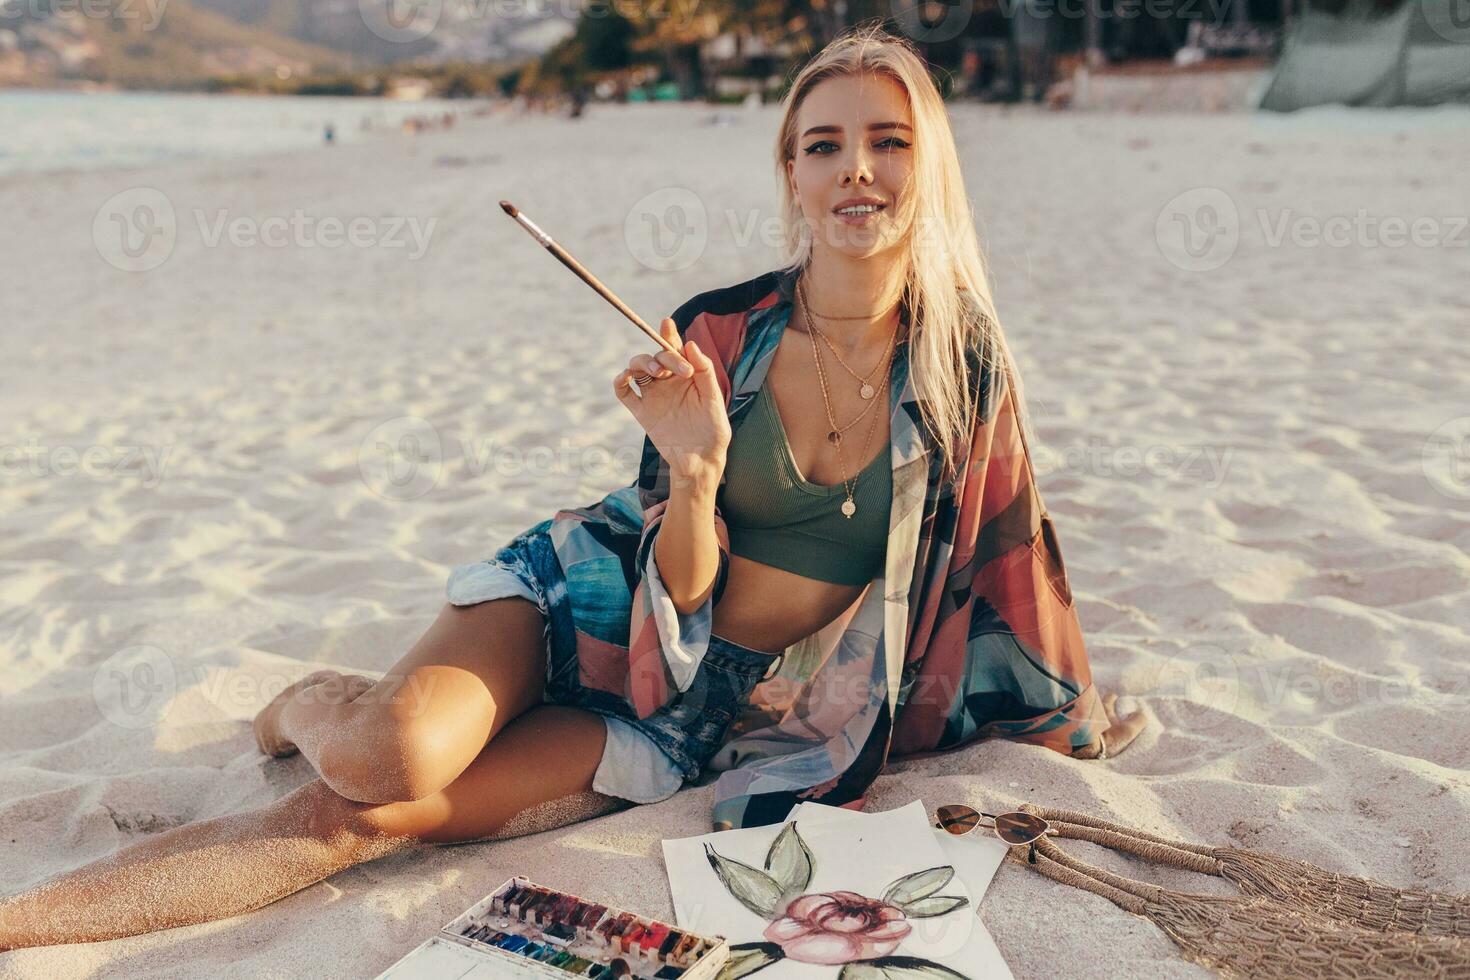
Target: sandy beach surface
column 239, row 447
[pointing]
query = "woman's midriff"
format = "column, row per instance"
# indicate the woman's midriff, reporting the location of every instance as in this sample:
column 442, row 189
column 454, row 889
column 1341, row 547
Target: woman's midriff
column 769, row 608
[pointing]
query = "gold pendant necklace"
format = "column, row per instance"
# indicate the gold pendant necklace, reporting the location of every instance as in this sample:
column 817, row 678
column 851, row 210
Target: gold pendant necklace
column 865, row 389
column 835, row 435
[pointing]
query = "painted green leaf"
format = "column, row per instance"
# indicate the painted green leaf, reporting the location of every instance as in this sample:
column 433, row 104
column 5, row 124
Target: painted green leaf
column 923, row 908
column 898, row 968
column 919, row 884
column 752, row 887
column 790, row 861
column 746, row 958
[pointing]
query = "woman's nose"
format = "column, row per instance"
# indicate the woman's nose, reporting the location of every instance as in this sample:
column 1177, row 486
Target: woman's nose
column 858, row 168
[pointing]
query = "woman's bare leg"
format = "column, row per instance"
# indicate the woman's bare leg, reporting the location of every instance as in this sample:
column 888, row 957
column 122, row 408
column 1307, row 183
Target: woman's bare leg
column 415, row 730
column 194, row 873
column 534, row 775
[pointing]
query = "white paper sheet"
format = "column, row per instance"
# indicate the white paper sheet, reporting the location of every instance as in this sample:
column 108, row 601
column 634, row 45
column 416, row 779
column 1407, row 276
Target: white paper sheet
column 975, row 857
column 862, row 853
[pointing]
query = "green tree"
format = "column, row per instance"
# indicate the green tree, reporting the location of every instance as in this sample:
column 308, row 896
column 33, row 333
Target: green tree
column 606, row 37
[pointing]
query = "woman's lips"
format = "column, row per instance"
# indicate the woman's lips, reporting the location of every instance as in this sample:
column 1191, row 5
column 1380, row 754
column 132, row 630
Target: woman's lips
column 859, row 219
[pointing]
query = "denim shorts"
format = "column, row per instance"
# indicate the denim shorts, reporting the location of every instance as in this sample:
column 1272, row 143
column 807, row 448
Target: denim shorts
column 685, row 732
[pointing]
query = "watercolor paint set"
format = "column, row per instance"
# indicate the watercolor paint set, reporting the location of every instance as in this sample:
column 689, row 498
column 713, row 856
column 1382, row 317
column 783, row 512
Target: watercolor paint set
column 524, row 929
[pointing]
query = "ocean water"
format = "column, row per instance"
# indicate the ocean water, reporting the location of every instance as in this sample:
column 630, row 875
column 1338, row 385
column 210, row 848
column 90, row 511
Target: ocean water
column 48, row 131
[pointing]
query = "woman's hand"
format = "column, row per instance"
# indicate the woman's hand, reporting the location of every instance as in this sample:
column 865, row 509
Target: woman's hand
column 682, row 408
column 323, row 686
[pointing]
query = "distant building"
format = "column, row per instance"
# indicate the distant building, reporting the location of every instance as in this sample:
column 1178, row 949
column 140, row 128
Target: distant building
column 408, row 88
column 1019, row 49
column 742, row 64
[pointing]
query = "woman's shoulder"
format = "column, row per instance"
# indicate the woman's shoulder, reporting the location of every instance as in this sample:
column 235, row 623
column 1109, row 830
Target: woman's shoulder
column 733, row 301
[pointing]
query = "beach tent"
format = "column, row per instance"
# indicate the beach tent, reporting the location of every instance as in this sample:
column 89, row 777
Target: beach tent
column 1364, row 53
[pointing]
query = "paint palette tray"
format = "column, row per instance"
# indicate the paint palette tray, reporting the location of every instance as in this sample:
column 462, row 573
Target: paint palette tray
column 523, row 929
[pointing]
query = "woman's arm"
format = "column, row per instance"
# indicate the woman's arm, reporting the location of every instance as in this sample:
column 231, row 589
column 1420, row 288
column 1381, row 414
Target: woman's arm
column 683, row 413
column 687, row 549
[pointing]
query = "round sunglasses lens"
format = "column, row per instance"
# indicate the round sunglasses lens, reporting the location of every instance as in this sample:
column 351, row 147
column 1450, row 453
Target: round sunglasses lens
column 958, row 819
column 1019, row 828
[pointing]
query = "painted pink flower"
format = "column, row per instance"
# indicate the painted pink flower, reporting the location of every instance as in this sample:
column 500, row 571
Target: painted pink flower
column 838, row 927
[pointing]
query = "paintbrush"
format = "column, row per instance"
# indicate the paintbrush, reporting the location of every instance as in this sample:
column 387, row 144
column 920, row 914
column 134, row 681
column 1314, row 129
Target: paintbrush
column 566, row 259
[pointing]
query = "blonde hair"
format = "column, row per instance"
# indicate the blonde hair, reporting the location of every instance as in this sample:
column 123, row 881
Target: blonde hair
column 946, row 282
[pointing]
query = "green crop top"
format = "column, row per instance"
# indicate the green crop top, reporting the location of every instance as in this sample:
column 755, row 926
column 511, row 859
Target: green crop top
column 776, row 517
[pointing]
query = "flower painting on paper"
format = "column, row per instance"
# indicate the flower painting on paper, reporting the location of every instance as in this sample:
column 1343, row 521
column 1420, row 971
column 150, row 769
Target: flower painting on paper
column 840, row 928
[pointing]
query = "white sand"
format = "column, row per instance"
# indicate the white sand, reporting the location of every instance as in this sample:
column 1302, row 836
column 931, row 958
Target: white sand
column 1321, row 567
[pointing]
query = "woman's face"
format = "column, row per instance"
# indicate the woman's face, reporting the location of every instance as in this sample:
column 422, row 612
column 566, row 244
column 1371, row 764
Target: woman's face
column 854, row 141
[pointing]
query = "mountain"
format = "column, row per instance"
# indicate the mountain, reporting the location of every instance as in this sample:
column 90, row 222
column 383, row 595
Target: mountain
column 384, row 31
column 173, row 45
column 185, row 43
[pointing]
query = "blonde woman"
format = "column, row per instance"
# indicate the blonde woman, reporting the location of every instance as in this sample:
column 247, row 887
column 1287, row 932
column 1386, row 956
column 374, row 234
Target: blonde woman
column 833, row 553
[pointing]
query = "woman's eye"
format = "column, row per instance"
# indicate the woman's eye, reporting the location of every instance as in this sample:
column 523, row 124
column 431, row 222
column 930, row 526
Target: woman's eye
column 890, row 143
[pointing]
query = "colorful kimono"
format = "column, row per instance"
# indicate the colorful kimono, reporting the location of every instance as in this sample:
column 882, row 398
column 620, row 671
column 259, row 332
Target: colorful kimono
column 968, row 633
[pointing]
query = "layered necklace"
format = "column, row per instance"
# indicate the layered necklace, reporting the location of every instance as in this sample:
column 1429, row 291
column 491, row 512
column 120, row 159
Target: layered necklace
column 866, row 390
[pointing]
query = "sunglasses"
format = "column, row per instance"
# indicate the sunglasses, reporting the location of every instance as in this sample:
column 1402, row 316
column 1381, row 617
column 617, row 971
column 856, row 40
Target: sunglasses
column 1014, row 827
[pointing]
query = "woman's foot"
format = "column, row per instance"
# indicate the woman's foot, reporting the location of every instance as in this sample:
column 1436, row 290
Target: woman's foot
column 1122, row 731
column 329, row 686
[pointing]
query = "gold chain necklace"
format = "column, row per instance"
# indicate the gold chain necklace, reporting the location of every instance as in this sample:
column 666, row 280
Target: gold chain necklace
column 865, row 389
column 834, row 434
column 827, row 316
column 835, row 437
